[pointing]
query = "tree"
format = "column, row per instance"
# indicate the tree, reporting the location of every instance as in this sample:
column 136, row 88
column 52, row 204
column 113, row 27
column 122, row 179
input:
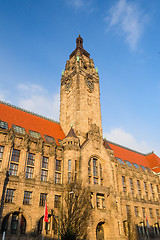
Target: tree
column 75, row 212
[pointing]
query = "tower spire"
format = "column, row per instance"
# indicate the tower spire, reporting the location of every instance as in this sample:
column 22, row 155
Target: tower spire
column 79, row 48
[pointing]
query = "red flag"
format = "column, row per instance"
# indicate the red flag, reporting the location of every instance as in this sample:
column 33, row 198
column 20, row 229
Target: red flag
column 45, row 213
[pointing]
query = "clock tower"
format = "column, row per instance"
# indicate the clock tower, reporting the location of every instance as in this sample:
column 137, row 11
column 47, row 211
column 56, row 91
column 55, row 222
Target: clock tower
column 80, row 95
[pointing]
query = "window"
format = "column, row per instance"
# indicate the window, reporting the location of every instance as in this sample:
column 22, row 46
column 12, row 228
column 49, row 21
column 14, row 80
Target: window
column 45, row 162
column 57, row 201
column 128, row 209
column 29, row 172
column 136, row 165
column 58, row 165
column 151, row 212
column 136, row 211
column 14, row 218
column 69, row 171
column 43, row 198
column 138, row 185
column 27, row 198
column 58, row 178
column 14, row 162
column 103, row 202
column 128, row 163
column 13, row 169
column 157, row 188
column 124, row 184
column 76, row 168
column 34, row 134
column 3, row 125
column 9, row 195
column 69, row 165
column 15, row 155
column 1, row 154
column 95, row 168
column 31, row 158
column 95, row 171
column 131, row 185
column 44, row 170
column 152, row 190
column 144, row 212
column 98, row 201
column 69, row 177
column 58, row 171
column 18, row 129
column 89, row 168
column 145, row 189
column 120, row 160
column 30, row 165
column 157, row 213
column 49, row 139
column 44, row 174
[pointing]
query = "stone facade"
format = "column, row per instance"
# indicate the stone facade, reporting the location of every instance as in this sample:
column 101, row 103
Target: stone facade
column 39, row 168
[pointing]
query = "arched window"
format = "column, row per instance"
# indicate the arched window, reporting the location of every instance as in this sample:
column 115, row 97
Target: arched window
column 95, row 175
column 14, row 223
column 50, row 227
column 100, row 231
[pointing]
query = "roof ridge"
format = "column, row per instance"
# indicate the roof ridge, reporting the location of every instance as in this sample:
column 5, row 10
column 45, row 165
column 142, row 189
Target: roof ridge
column 27, row 111
column 129, row 148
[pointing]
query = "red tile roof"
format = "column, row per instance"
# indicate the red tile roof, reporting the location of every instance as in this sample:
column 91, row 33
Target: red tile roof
column 150, row 160
column 30, row 121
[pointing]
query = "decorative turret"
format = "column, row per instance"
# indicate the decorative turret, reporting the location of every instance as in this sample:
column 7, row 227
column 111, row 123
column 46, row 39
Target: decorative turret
column 71, row 141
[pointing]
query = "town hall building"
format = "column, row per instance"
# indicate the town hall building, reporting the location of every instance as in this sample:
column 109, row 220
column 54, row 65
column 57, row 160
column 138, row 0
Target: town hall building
column 39, row 155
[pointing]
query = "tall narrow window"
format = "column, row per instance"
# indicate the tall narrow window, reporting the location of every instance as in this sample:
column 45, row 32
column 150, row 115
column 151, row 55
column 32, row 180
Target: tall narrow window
column 128, row 209
column 98, row 201
column 58, row 172
column 9, row 195
column 157, row 213
column 145, row 189
column 14, row 162
column 131, row 185
column 30, row 165
column 151, row 212
column 69, row 171
column 95, row 171
column 27, row 198
column 124, row 185
column 57, row 201
column 44, row 170
column 158, row 191
column 139, row 189
column 136, row 211
column 1, row 154
column 43, row 198
column 144, row 212
column 152, row 191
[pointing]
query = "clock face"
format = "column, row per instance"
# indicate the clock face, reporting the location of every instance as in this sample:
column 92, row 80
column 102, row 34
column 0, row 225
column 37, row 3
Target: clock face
column 67, row 84
column 90, row 84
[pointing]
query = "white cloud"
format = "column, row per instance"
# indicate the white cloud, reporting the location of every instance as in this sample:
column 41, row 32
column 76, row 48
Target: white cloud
column 120, row 136
column 82, row 4
column 3, row 95
column 128, row 20
column 76, row 3
column 34, row 97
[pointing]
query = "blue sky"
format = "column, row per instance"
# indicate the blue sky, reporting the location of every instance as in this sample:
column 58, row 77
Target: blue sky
column 123, row 38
